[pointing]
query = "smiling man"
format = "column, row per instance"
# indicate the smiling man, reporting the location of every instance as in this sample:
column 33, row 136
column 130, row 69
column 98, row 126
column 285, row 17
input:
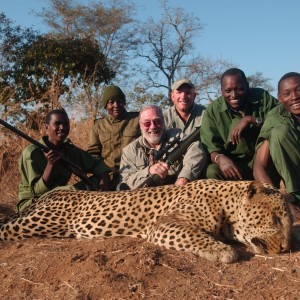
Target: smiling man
column 185, row 114
column 279, row 141
column 42, row 172
column 110, row 134
column 137, row 161
column 231, row 124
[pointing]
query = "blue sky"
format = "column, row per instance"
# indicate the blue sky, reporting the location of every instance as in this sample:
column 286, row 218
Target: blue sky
column 255, row 35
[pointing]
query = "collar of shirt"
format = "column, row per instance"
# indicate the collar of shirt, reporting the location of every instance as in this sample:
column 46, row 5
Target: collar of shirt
column 190, row 114
column 236, row 112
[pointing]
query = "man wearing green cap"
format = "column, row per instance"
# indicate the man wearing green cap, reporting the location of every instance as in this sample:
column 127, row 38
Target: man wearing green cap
column 109, row 135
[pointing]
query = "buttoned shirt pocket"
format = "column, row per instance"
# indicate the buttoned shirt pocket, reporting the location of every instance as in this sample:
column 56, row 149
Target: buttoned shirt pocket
column 105, row 139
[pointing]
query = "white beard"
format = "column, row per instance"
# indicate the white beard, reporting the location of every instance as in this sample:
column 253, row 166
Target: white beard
column 153, row 138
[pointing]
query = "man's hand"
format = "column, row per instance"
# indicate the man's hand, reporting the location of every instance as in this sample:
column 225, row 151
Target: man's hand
column 181, row 181
column 228, row 168
column 52, row 157
column 160, row 168
column 236, row 132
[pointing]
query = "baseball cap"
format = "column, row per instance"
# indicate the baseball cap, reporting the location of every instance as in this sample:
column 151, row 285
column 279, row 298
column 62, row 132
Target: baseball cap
column 176, row 85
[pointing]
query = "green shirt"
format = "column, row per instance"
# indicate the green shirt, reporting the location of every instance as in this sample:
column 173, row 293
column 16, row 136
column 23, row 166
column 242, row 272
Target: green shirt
column 173, row 120
column 32, row 164
column 283, row 134
column 277, row 116
column 218, row 120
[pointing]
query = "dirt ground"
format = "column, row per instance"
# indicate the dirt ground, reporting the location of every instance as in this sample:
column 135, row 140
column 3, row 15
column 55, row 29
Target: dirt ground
column 127, row 268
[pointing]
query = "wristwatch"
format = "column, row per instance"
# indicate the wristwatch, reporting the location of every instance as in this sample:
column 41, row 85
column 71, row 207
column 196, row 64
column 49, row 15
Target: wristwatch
column 258, row 121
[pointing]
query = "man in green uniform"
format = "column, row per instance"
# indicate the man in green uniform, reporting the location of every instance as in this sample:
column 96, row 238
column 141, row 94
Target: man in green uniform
column 111, row 134
column 42, row 172
column 231, row 124
column 185, row 114
column 138, row 163
column 279, row 142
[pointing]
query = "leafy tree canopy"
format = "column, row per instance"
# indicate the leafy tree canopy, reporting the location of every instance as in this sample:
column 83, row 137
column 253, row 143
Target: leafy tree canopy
column 39, row 69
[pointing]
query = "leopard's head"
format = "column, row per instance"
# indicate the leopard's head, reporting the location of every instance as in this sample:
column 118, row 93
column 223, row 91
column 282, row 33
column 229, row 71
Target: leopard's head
column 264, row 219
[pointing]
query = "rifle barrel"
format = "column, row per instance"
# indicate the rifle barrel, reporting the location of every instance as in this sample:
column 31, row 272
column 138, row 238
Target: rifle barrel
column 23, row 135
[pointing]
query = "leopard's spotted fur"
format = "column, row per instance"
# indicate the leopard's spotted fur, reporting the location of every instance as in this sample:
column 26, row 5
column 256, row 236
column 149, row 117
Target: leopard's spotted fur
column 192, row 218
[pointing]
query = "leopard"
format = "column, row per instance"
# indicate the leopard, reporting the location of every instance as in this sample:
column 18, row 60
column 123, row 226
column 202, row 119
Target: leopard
column 202, row 217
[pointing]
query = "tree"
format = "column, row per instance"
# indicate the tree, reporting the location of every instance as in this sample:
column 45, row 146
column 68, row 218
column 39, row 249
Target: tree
column 165, row 46
column 41, row 69
column 110, row 24
column 166, row 49
column 206, row 74
column 257, row 80
column 51, row 66
column 12, row 40
column 140, row 96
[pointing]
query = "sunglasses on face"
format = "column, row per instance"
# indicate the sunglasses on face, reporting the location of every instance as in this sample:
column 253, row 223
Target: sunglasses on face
column 156, row 122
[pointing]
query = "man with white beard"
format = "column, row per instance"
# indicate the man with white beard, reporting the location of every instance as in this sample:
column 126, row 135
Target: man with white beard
column 137, row 162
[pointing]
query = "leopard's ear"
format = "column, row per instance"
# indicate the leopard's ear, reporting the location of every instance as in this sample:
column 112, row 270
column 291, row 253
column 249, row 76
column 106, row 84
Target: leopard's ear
column 255, row 188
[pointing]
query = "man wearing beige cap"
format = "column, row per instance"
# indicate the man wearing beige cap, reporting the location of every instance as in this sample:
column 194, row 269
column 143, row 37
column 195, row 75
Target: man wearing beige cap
column 110, row 134
column 185, row 114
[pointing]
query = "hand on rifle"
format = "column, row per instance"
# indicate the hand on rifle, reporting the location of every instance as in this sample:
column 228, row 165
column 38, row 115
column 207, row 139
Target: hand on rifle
column 52, row 157
column 160, row 168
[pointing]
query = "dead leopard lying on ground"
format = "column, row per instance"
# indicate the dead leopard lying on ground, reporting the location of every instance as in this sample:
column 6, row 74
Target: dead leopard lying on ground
column 191, row 218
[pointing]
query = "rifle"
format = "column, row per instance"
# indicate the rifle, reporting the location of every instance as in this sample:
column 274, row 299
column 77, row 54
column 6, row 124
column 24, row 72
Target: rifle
column 65, row 162
column 173, row 156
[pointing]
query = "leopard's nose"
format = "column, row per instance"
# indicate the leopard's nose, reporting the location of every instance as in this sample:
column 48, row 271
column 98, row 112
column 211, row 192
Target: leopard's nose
column 284, row 248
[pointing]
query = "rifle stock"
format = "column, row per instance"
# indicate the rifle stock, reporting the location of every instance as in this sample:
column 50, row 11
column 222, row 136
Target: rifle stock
column 65, row 162
column 173, row 156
